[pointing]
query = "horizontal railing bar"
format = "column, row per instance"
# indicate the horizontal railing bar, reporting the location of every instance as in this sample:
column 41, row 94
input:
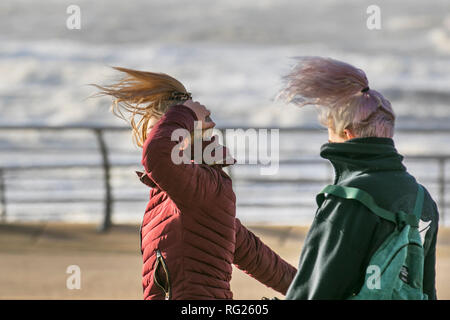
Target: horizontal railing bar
column 242, row 180
column 300, row 181
column 63, row 127
column 143, row 200
column 38, row 150
column 106, row 165
column 43, row 201
column 234, row 127
column 56, row 179
column 48, row 149
column 276, row 205
column 256, row 184
column 137, row 164
column 279, row 181
column 54, row 167
column 429, row 157
column 287, row 205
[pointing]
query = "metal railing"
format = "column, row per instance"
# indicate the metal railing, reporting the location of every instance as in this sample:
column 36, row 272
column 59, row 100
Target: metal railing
column 104, row 150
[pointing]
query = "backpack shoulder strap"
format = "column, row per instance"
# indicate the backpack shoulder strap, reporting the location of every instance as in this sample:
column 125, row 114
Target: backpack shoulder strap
column 359, row 195
column 367, row 200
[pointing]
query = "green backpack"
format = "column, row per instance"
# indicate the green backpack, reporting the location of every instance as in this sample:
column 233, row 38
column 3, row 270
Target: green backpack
column 395, row 271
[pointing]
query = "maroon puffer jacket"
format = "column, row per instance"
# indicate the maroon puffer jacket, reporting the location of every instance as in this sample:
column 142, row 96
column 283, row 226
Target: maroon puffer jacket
column 190, row 220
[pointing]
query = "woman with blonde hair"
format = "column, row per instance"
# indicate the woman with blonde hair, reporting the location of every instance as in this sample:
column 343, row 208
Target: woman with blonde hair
column 346, row 233
column 190, row 236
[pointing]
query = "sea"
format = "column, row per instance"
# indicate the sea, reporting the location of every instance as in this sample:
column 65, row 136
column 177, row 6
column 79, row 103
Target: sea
column 232, row 55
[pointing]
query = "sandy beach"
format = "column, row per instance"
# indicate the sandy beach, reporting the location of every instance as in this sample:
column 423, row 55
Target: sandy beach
column 34, row 259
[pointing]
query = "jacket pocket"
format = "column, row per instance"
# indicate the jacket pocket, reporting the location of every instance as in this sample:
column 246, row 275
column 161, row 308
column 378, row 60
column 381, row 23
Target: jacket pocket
column 161, row 275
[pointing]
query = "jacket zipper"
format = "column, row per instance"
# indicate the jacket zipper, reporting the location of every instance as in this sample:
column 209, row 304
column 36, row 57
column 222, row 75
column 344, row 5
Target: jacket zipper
column 166, row 287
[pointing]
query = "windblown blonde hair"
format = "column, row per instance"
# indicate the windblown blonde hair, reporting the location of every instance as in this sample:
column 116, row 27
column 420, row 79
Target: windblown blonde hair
column 145, row 96
column 342, row 94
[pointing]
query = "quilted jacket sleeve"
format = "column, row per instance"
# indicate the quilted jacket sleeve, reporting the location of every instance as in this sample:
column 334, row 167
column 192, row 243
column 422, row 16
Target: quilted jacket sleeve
column 184, row 183
column 259, row 261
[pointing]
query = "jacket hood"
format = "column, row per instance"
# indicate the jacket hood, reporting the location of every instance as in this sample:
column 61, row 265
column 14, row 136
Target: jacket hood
column 362, row 155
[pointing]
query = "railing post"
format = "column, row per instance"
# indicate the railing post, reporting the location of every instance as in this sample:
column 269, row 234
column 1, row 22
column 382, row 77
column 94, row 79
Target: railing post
column 106, row 224
column 2, row 197
column 441, row 182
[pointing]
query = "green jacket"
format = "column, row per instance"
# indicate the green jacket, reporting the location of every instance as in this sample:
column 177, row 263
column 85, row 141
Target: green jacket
column 345, row 234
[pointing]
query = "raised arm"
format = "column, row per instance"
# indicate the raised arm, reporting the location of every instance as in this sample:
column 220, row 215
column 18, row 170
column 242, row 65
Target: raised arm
column 184, row 183
column 259, row 261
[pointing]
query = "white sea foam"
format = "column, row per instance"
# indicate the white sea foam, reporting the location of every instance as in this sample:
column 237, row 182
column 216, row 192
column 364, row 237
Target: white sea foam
column 231, row 55
column 47, row 81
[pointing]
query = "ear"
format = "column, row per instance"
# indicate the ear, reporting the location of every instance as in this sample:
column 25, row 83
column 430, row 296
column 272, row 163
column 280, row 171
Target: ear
column 349, row 134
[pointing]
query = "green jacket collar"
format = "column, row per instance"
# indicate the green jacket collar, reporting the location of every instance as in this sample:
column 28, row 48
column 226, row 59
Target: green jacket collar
column 362, row 155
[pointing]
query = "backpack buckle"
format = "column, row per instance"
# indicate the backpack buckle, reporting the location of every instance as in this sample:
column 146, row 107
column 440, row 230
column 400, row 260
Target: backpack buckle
column 403, row 219
column 400, row 217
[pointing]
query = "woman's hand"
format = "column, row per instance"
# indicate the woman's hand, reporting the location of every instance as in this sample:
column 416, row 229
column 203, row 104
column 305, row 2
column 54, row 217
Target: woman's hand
column 202, row 114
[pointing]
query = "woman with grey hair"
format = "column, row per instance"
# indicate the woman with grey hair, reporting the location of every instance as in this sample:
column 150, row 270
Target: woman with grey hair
column 345, row 233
